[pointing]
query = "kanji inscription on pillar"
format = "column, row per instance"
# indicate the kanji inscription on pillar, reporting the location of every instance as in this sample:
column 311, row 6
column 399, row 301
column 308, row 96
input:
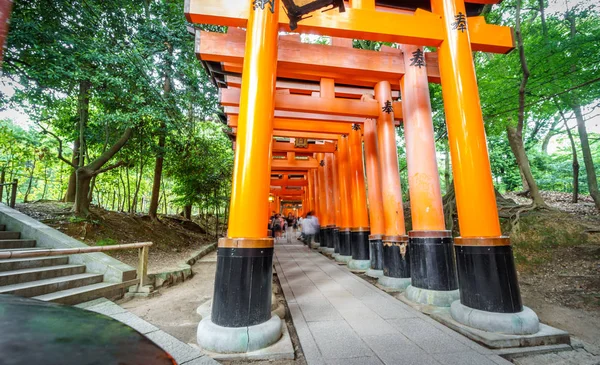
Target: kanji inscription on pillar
column 460, row 22
column 322, row 163
column 387, row 107
column 355, row 127
column 260, row 4
column 418, row 58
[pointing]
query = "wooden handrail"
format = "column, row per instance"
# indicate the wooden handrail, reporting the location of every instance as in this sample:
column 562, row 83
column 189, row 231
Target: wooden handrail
column 70, row 251
column 142, row 269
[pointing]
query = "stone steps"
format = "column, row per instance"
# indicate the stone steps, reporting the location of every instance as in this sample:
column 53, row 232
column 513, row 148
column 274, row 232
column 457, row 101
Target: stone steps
column 39, row 273
column 84, row 293
column 9, row 235
column 17, row 243
column 50, row 278
column 46, row 286
column 30, row 263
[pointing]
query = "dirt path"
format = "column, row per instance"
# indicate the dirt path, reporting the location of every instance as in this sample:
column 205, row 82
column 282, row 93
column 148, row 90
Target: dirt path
column 173, row 310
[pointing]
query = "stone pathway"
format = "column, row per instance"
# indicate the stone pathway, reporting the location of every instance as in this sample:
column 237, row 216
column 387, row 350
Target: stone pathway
column 342, row 319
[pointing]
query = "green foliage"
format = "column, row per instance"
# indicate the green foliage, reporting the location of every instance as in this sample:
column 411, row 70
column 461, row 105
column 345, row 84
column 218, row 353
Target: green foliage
column 138, row 59
column 106, row 242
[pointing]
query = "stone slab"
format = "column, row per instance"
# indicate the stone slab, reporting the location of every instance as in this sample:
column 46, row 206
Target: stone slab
column 546, row 336
column 181, row 352
column 280, row 350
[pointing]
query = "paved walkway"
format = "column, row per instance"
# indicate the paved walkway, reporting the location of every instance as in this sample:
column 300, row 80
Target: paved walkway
column 343, row 319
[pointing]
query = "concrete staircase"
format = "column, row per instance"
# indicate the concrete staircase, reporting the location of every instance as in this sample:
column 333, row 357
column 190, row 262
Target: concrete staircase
column 51, row 279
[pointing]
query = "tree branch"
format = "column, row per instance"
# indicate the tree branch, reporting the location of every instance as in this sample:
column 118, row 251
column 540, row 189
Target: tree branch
column 108, row 168
column 108, row 154
column 60, row 145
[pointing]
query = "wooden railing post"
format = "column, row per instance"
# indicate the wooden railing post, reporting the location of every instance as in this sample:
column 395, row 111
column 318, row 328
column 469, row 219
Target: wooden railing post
column 142, row 270
column 13, row 195
column 2, row 175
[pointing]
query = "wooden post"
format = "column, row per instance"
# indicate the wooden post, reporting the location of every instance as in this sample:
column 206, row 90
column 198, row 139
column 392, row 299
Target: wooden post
column 241, row 300
column 433, row 269
column 481, row 251
column 13, row 194
column 142, row 271
column 2, row 177
column 396, row 266
column 360, row 216
column 376, row 218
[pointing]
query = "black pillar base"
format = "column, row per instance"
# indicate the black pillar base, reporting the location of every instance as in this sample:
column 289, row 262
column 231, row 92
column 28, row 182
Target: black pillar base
column 318, row 236
column 396, row 257
column 330, row 237
column 242, row 295
column 376, row 254
column 487, row 276
column 359, row 241
column 336, row 240
column 432, row 263
column 345, row 242
column 324, row 236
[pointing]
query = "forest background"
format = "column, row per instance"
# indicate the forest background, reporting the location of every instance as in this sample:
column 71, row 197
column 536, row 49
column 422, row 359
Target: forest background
column 104, row 103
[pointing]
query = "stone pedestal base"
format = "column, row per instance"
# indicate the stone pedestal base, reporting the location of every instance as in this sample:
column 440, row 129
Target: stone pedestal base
column 374, row 273
column 220, row 339
column 394, row 283
column 343, row 259
column 438, row 298
column 525, row 322
column 359, row 265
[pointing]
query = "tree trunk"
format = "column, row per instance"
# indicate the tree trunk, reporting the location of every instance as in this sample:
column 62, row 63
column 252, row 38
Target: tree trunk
column 26, row 197
column 187, row 212
column 70, row 194
column 575, row 163
column 82, row 202
column 447, row 180
column 516, row 145
column 551, row 133
column 94, row 168
column 515, row 135
column 158, row 167
column 587, row 156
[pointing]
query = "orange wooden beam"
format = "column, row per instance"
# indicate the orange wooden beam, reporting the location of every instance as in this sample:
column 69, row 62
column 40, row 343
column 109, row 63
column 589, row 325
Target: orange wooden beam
column 420, row 28
column 235, row 110
column 287, row 165
column 307, row 88
column 287, row 124
column 302, row 103
column 287, row 192
column 309, row 135
column 312, row 148
column 321, row 60
column 288, row 182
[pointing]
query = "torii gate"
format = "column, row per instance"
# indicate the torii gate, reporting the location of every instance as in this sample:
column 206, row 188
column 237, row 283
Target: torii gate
column 243, row 309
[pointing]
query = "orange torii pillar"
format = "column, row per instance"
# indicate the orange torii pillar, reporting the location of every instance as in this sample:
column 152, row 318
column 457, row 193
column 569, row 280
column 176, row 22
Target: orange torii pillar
column 310, row 198
column 345, row 191
column 241, row 307
column 432, row 264
column 490, row 298
column 327, row 91
column 375, row 201
column 322, row 199
column 396, row 264
column 317, row 207
column 360, row 217
column 337, row 205
column 329, row 224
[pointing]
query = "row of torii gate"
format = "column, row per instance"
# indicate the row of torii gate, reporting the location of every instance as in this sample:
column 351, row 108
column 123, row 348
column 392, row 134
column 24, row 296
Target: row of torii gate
column 312, row 120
